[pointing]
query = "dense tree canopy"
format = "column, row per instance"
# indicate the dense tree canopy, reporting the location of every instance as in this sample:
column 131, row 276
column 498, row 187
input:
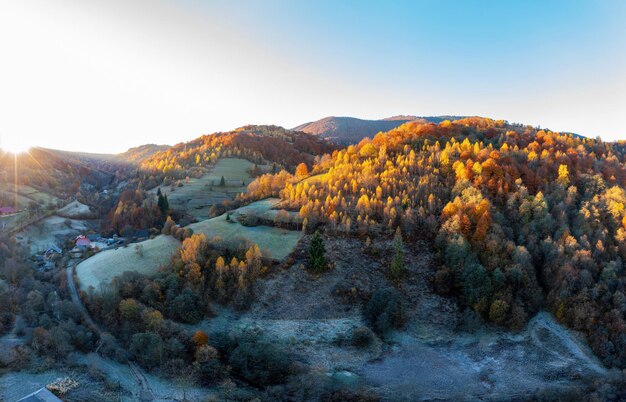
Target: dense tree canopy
column 522, row 218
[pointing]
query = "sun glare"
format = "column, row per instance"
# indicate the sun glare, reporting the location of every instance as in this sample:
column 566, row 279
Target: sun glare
column 14, row 145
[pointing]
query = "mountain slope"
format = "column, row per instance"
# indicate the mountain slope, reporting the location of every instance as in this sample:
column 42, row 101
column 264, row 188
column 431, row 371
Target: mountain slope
column 258, row 144
column 350, row 130
column 522, row 219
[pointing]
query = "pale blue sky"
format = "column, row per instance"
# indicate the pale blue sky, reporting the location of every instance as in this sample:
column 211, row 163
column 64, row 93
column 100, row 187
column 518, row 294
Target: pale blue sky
column 103, row 76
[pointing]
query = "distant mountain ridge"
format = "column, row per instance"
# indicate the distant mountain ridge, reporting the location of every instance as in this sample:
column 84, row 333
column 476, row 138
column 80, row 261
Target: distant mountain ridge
column 351, row 130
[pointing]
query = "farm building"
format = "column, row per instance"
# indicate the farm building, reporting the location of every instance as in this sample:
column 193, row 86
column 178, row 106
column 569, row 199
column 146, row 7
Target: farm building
column 7, row 210
column 83, row 242
column 52, row 253
column 53, row 250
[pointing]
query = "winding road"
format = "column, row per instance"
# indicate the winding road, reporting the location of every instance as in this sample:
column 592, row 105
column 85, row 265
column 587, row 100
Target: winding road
column 147, row 394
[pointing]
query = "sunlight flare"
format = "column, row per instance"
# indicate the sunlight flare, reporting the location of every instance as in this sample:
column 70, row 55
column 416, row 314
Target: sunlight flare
column 14, row 144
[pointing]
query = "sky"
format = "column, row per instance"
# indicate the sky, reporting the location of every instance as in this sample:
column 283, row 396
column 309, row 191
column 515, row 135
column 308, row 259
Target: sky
column 104, row 76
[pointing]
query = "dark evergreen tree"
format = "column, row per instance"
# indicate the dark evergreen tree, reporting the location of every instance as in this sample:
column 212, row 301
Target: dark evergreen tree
column 316, row 261
column 222, row 182
column 163, row 203
column 397, row 269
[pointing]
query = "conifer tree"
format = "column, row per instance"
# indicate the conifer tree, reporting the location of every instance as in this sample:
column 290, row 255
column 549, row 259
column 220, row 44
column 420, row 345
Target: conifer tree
column 222, row 182
column 163, row 203
column 316, row 260
column 397, row 269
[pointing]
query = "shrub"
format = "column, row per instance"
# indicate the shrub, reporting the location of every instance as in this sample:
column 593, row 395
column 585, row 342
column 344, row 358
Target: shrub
column 362, row 337
column 384, row 311
column 261, row 364
column 250, row 220
column 147, row 348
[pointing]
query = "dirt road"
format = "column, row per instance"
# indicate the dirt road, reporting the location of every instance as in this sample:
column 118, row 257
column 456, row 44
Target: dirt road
column 146, row 393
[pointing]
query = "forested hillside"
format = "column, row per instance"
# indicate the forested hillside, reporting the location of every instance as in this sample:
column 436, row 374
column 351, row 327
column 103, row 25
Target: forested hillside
column 141, row 153
column 522, row 219
column 258, row 144
column 63, row 174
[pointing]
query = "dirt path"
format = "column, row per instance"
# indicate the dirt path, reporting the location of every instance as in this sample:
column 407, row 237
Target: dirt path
column 146, row 393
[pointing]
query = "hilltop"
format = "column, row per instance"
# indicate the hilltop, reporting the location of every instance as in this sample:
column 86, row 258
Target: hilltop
column 351, row 130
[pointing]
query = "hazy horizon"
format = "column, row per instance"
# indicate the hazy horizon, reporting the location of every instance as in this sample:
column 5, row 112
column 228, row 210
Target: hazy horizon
column 103, row 77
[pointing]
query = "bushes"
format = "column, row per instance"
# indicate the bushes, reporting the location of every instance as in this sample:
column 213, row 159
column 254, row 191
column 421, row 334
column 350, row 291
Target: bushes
column 362, row 337
column 208, row 366
column 147, row 348
column 385, row 311
column 261, row 364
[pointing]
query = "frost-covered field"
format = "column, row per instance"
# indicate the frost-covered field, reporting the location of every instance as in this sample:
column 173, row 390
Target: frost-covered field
column 274, row 242
column 104, row 266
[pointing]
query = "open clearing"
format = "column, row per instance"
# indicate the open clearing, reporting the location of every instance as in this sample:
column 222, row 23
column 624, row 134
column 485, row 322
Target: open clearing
column 198, row 194
column 103, row 267
column 265, row 209
column 75, row 210
column 274, row 243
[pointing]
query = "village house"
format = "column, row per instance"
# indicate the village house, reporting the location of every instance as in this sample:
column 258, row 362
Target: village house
column 7, row 210
column 83, row 243
column 52, row 252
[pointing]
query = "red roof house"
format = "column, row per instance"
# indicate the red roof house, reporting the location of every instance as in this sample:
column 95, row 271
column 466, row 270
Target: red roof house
column 82, row 241
column 7, row 210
